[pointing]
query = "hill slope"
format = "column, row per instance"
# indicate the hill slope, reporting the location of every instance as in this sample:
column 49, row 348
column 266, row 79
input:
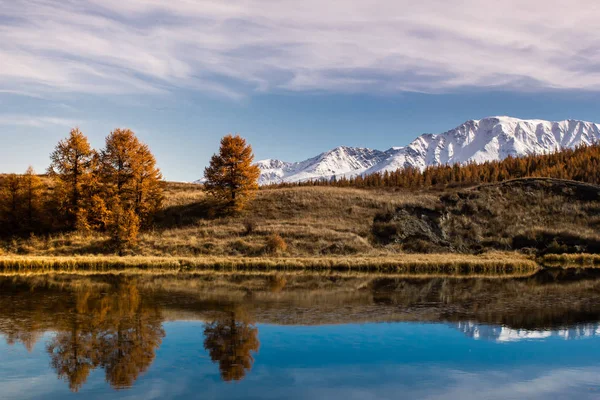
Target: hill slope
column 535, row 215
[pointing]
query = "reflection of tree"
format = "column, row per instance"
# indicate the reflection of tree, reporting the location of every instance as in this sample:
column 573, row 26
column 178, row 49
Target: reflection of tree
column 113, row 330
column 230, row 341
column 21, row 319
column 128, row 343
column 73, row 355
column 28, row 337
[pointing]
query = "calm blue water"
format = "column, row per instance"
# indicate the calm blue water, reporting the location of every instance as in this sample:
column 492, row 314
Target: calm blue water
column 458, row 358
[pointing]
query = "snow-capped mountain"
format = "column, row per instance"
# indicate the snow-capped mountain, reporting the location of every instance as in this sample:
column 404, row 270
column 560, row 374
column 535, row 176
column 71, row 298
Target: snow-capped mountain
column 506, row 334
column 488, row 139
column 341, row 161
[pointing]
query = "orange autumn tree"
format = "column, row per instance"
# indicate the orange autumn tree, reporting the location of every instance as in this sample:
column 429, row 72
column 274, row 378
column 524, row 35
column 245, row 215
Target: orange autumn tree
column 71, row 169
column 131, row 185
column 231, row 176
column 11, row 190
column 21, row 204
column 32, row 189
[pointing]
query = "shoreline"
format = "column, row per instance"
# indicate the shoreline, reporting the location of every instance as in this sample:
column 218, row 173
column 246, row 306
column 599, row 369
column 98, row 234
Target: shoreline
column 404, row 263
column 583, row 260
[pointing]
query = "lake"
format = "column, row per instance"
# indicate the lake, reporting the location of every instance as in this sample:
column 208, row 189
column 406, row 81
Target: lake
column 301, row 336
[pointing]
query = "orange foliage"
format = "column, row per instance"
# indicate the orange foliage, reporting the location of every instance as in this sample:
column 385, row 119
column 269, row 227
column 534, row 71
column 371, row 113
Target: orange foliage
column 231, row 176
column 117, row 190
column 71, row 168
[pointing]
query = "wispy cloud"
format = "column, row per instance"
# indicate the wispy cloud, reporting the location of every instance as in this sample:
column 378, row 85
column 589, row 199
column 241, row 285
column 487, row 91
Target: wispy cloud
column 238, row 47
column 36, row 121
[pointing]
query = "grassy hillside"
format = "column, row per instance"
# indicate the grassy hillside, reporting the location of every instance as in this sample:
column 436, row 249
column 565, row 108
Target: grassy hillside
column 532, row 215
column 311, row 222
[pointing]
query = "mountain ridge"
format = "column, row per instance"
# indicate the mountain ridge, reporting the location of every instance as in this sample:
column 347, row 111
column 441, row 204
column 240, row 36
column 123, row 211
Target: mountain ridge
column 487, row 139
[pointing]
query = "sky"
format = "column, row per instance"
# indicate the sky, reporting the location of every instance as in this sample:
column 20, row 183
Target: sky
column 295, row 78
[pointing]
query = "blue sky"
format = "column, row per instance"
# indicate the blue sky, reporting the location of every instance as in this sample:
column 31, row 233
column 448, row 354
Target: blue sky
column 294, row 78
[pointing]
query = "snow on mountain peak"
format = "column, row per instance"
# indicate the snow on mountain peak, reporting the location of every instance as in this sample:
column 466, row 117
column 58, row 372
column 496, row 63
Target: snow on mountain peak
column 340, row 161
column 487, row 139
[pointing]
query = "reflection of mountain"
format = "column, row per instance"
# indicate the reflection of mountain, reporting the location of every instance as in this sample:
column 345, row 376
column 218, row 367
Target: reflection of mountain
column 505, row 334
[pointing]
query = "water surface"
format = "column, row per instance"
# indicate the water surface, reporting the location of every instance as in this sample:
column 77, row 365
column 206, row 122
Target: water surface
column 300, row 336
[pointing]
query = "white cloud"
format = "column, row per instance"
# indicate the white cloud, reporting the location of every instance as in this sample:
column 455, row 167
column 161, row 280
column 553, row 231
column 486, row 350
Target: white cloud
column 36, row 121
column 238, row 47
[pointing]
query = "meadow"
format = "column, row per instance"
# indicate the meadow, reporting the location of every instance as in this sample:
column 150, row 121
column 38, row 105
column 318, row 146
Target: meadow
column 482, row 229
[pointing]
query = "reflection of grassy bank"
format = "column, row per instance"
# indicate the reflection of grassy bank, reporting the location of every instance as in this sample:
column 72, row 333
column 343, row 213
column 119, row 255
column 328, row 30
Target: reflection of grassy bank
column 572, row 260
column 404, row 263
column 549, row 299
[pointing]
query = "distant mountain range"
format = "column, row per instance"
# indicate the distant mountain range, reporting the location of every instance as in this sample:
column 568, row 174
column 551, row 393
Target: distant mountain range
column 505, row 334
column 492, row 138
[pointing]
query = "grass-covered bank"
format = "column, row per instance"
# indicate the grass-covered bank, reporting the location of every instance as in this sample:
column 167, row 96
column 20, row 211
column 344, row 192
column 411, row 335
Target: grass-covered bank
column 572, row 260
column 406, row 263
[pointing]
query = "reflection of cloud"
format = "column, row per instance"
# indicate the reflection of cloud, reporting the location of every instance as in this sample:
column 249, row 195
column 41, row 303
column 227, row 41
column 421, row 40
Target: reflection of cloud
column 28, row 388
column 233, row 47
column 560, row 383
column 382, row 382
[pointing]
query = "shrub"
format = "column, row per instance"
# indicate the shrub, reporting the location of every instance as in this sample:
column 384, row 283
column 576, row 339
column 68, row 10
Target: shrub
column 240, row 247
column 341, row 248
column 249, row 226
column 275, row 244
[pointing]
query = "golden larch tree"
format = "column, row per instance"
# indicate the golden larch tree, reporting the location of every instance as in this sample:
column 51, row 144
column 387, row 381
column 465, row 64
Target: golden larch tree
column 92, row 213
column 148, row 186
column 71, row 167
column 231, row 176
column 131, row 185
column 32, row 193
column 11, row 190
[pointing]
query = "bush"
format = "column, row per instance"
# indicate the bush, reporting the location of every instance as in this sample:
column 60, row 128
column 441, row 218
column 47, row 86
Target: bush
column 341, row 248
column 249, row 226
column 275, row 244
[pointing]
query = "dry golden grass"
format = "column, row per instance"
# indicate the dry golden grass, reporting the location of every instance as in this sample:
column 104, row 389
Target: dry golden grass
column 312, row 221
column 328, row 223
column 134, row 273
column 495, row 263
